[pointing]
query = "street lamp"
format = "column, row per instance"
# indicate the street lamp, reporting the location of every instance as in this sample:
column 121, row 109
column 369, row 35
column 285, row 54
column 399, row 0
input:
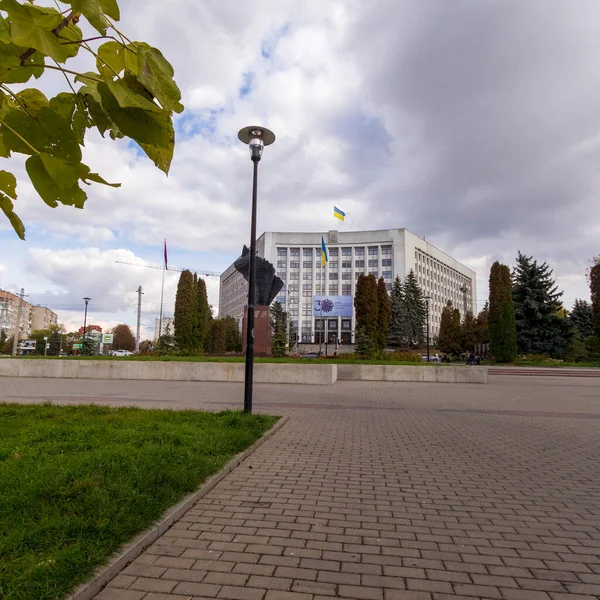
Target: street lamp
column 427, row 299
column 257, row 138
column 86, row 300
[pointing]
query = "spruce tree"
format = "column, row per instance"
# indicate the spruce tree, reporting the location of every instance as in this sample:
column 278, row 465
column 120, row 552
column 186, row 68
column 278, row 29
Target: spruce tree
column 595, row 295
column 502, row 325
column 581, row 319
column 203, row 315
column 415, row 308
column 365, row 347
column 398, row 333
column 384, row 314
column 185, row 318
column 540, row 328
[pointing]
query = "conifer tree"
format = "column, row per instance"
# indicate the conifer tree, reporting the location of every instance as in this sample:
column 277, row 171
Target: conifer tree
column 398, row 333
column 502, row 325
column 186, row 310
column 415, row 308
column 384, row 313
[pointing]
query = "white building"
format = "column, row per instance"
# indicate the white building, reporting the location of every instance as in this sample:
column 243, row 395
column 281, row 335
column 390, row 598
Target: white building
column 385, row 253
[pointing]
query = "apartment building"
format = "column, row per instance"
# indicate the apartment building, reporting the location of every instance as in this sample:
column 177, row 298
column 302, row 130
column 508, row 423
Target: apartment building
column 32, row 317
column 384, row 253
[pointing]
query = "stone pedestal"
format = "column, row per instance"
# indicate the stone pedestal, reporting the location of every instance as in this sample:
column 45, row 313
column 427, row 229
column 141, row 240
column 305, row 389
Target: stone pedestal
column 262, row 331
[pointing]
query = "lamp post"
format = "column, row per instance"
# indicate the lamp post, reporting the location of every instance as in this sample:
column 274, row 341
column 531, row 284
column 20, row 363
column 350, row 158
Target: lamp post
column 86, row 300
column 427, row 299
column 257, row 138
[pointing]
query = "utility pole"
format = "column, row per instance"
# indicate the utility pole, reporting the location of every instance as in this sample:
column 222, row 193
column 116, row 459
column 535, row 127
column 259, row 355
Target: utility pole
column 139, row 318
column 18, row 328
column 463, row 289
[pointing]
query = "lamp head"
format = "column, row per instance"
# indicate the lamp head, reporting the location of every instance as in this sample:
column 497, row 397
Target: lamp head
column 257, row 138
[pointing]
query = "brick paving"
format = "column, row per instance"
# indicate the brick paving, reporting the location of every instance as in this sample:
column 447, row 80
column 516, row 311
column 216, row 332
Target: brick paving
column 382, row 491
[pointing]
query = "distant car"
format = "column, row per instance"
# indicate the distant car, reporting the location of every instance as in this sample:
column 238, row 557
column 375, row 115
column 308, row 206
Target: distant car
column 122, row 353
column 432, row 358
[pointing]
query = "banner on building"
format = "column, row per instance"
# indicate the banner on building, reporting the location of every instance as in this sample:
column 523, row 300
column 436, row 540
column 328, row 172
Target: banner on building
column 332, row 306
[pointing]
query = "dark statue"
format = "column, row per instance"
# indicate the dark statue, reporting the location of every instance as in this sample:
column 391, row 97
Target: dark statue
column 267, row 284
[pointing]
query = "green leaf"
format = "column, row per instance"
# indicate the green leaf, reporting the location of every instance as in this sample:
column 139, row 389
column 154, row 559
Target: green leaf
column 8, row 184
column 111, row 54
column 4, row 31
column 48, row 132
column 143, row 126
column 32, row 100
column 128, row 98
column 71, row 33
column 47, row 188
column 111, row 8
column 63, row 104
column 6, row 206
column 98, row 117
column 95, row 177
column 31, row 27
column 161, row 157
column 156, row 74
column 93, row 12
column 64, row 173
column 131, row 58
column 11, row 70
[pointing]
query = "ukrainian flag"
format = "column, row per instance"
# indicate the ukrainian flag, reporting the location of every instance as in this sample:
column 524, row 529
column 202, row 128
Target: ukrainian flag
column 338, row 214
column 324, row 257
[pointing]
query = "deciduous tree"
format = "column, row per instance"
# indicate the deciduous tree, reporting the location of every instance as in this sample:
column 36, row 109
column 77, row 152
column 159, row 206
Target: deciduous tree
column 123, row 338
column 595, row 295
column 366, row 307
column 127, row 90
column 384, row 313
column 186, row 313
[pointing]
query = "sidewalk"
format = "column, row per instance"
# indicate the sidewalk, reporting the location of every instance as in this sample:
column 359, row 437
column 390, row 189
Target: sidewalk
column 396, row 492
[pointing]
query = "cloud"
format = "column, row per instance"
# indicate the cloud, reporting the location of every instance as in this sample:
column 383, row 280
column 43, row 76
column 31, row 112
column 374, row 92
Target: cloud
column 473, row 123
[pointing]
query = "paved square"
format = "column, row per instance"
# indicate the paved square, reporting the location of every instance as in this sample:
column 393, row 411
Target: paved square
column 381, row 491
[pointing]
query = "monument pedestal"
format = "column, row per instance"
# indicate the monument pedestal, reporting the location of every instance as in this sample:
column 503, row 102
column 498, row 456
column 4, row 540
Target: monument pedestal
column 262, row 330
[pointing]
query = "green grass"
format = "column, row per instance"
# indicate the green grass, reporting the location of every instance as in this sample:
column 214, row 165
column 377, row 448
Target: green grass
column 77, row 482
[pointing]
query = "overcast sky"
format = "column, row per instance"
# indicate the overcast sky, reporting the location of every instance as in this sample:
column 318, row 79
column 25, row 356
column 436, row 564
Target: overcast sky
column 474, row 123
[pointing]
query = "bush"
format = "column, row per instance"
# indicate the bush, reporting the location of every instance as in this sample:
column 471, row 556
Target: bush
column 535, row 358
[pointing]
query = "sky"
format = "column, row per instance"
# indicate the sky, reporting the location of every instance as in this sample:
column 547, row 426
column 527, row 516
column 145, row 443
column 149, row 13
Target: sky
column 473, row 123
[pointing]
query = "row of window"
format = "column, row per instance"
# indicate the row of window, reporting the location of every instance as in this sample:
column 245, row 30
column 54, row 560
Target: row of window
column 346, row 264
column 346, row 251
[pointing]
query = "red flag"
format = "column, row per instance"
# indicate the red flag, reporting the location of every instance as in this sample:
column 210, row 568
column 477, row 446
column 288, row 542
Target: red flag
column 166, row 263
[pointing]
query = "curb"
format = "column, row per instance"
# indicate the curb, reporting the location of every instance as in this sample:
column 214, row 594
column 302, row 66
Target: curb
column 133, row 549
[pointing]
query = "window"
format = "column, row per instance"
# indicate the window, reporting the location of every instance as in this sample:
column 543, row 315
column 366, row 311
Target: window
column 346, row 251
column 386, row 274
column 282, row 252
column 293, row 287
column 357, row 275
column 359, row 264
column 373, row 250
column 333, row 290
column 388, row 287
column 333, row 276
column 386, row 262
column 346, row 289
column 347, row 275
column 386, row 250
column 293, row 300
column 307, row 293
column 374, row 273
column 294, row 312
column 294, row 251
column 359, row 251
column 373, row 263
column 294, row 276
column 307, row 310
column 281, row 264
column 294, row 265
column 334, row 252
column 306, row 323
column 346, row 324
column 319, row 324
column 307, row 276
column 307, row 286
column 318, row 276
column 334, row 264
column 282, row 274
column 346, row 264
column 307, row 252
column 307, row 264
column 332, row 324
column 280, row 299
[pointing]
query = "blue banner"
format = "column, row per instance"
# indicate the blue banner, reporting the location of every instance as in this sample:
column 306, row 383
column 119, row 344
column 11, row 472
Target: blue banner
column 332, row 306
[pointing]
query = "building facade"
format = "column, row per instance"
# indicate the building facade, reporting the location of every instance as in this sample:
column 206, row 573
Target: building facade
column 32, row 317
column 384, row 253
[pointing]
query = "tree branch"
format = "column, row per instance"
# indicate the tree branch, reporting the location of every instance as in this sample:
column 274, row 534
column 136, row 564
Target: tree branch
column 55, row 31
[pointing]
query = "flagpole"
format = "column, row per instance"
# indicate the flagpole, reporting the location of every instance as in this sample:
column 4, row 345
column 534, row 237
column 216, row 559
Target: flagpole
column 162, row 295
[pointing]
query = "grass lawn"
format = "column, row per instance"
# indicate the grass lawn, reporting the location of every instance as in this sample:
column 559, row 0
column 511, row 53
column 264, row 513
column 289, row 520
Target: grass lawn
column 76, row 482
